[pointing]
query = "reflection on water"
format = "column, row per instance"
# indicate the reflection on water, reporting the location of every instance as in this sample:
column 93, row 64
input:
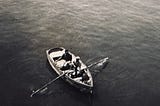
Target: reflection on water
column 127, row 31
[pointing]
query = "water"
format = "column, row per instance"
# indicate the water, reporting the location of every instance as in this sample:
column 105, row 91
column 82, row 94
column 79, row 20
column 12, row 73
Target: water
column 125, row 30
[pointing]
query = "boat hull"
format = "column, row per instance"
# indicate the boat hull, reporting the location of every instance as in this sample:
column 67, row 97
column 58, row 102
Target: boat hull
column 81, row 87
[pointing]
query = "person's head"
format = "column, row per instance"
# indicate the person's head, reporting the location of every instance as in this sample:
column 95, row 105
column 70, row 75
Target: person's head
column 66, row 51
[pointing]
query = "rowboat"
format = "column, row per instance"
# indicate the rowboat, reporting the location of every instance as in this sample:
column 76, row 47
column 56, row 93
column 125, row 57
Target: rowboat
column 54, row 57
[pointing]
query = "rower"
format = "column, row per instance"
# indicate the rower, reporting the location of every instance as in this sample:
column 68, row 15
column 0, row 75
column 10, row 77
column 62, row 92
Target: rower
column 77, row 62
column 77, row 65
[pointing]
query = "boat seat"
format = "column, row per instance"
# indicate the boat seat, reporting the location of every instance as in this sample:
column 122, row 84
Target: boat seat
column 78, row 79
column 56, row 54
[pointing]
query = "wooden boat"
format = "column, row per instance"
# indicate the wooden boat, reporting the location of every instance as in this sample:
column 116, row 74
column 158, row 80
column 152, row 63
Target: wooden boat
column 56, row 63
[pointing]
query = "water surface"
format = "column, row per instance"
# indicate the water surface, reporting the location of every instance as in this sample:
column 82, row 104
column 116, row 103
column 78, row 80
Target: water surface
column 125, row 30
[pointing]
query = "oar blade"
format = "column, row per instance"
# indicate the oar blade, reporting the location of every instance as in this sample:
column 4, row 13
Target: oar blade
column 99, row 63
column 103, row 63
column 43, row 88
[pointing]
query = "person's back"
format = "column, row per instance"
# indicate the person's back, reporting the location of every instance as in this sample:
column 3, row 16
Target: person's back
column 77, row 62
column 67, row 56
column 85, row 77
column 77, row 65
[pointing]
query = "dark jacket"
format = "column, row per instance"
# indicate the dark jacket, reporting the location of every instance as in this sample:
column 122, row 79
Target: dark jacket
column 67, row 57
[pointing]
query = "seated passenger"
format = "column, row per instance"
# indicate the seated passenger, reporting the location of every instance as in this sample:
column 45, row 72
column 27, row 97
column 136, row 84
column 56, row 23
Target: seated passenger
column 85, row 77
column 66, row 56
column 77, row 65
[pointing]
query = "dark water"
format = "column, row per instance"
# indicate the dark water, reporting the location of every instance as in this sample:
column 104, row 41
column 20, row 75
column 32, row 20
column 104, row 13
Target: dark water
column 128, row 31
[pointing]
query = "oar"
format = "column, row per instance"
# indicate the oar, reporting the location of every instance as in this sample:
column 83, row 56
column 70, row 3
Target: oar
column 50, row 82
column 97, row 62
column 47, row 84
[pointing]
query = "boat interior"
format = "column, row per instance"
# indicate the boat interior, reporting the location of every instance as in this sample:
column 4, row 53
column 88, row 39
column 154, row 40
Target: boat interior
column 56, row 53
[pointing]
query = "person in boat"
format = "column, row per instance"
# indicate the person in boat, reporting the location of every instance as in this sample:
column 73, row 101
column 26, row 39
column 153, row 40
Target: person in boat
column 66, row 56
column 85, row 77
column 77, row 65
column 77, row 62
